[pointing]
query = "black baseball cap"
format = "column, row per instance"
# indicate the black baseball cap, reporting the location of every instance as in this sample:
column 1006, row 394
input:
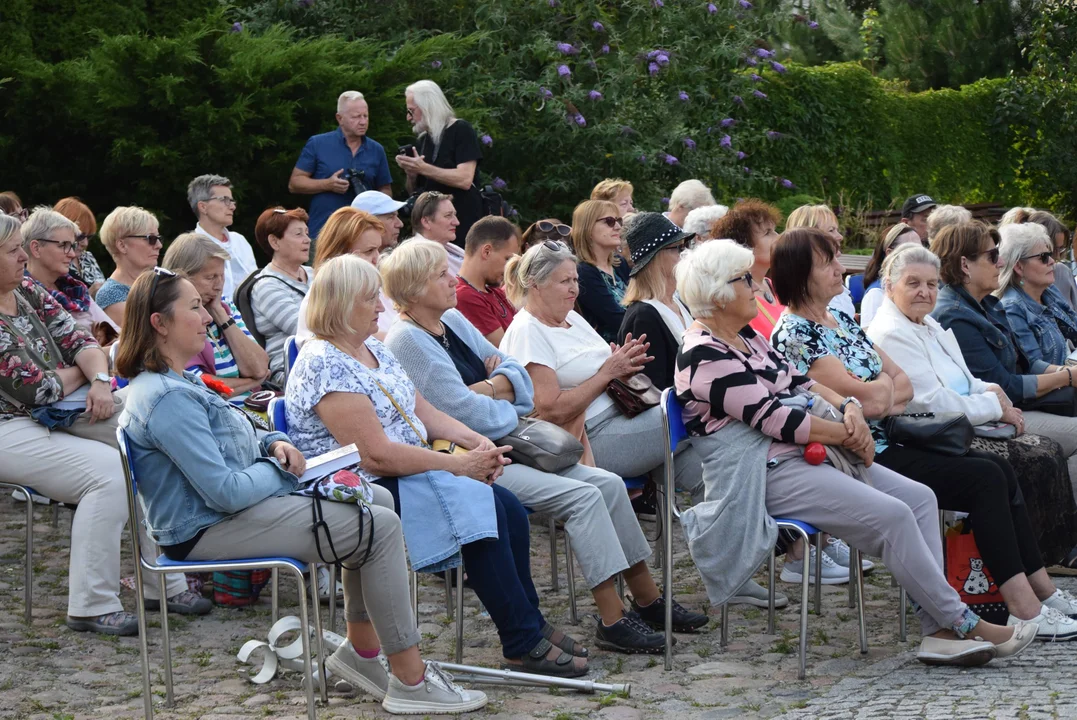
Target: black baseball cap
column 917, row 204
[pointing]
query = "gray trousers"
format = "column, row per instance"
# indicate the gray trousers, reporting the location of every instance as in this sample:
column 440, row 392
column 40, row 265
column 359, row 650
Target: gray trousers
column 630, row 447
column 281, row 526
column 598, row 516
column 1061, row 429
column 897, row 520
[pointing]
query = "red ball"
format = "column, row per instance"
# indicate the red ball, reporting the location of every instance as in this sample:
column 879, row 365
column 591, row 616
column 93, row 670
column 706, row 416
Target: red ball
column 814, row 453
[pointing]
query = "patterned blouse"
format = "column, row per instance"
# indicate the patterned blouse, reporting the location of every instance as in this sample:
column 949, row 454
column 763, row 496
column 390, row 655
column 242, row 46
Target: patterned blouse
column 717, row 383
column 34, row 344
column 223, row 360
column 803, row 341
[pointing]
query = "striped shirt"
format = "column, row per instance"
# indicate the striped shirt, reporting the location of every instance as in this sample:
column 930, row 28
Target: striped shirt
column 275, row 302
column 223, row 360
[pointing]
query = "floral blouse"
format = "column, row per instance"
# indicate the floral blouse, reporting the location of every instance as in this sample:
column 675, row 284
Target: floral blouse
column 803, row 341
column 34, row 344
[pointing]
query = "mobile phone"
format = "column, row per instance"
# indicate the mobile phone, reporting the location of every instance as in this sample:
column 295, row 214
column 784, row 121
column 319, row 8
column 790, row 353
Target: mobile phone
column 405, row 150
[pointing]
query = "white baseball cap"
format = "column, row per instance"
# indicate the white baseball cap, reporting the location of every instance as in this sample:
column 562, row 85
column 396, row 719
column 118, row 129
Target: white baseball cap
column 376, row 202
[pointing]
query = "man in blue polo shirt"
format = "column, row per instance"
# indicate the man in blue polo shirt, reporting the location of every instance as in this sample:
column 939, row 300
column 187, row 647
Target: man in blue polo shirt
column 336, row 166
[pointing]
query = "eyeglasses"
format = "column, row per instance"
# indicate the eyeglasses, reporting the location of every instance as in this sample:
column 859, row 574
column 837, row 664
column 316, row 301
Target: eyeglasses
column 22, row 214
column 150, row 239
column 611, row 222
column 746, row 277
column 157, row 273
column 230, row 202
column 992, row 255
column 65, row 247
column 411, row 113
column 83, row 237
column 1043, row 256
column 547, row 227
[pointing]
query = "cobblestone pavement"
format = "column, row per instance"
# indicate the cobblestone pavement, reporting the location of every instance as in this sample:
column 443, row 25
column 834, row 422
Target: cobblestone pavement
column 50, row 673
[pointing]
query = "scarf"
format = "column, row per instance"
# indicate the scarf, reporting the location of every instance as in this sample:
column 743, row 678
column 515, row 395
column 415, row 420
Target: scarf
column 72, row 294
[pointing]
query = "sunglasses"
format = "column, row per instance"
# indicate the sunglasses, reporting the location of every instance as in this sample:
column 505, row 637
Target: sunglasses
column 549, row 228
column 746, row 277
column 150, row 239
column 83, row 237
column 158, row 272
column 611, row 222
column 992, row 255
column 1043, row 256
column 65, row 247
column 555, row 245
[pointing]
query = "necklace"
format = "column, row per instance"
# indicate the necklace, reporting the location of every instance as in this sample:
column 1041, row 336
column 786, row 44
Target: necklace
column 500, row 305
column 298, row 276
column 443, row 338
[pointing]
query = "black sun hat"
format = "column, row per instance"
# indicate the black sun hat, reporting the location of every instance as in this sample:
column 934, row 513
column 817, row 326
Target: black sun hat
column 648, row 233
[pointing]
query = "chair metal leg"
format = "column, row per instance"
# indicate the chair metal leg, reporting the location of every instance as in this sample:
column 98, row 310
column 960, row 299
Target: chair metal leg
column 333, row 596
column 275, row 596
column 144, row 648
column 55, row 513
column 304, row 636
column 770, row 592
column 667, row 566
column 319, row 660
column 413, row 578
column 28, row 563
column 555, row 581
column 818, row 570
column 448, row 594
column 902, row 629
column 570, row 570
column 166, row 640
column 860, row 601
column 659, row 517
column 723, row 639
column 802, row 672
column 459, row 614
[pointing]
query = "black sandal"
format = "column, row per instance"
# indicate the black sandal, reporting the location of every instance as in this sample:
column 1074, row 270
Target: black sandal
column 567, row 644
column 536, row 662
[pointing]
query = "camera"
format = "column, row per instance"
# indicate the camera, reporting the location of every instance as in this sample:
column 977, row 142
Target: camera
column 357, row 179
column 405, row 150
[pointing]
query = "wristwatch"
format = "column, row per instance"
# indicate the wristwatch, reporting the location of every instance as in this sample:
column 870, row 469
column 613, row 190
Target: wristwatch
column 852, row 400
column 231, row 321
column 101, row 377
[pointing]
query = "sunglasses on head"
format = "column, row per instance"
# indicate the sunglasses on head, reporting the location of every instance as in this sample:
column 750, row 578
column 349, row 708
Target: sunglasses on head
column 611, row 221
column 1043, row 256
column 158, row 272
column 555, row 245
column 548, row 228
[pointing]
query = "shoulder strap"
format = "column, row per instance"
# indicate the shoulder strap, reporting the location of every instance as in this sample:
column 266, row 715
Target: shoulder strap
column 399, row 410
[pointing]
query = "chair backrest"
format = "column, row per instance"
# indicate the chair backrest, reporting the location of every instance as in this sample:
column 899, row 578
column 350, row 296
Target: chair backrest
column 674, row 419
column 278, row 418
column 856, row 288
column 291, row 352
column 120, row 382
column 124, row 444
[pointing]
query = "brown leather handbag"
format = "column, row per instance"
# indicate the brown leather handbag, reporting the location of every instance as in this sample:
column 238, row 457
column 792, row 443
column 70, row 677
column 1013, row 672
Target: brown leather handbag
column 634, row 395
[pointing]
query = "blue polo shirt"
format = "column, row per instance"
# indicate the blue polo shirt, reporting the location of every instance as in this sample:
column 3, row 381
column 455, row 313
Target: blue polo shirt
column 324, row 154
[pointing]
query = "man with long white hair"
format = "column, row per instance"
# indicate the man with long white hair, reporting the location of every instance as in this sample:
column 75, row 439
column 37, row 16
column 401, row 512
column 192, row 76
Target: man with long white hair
column 446, row 156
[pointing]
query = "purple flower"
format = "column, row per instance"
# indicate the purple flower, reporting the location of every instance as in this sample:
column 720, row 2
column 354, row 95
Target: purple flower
column 741, row 154
column 597, row 26
column 777, row 66
column 758, row 94
column 306, row 3
column 605, row 49
column 726, row 142
column 756, row 78
column 592, row 64
column 514, row 212
column 566, row 49
column 773, row 135
column 690, row 143
column 563, row 70
column 745, row 4
column 670, row 160
column 653, row 68
column 747, row 171
column 662, row 59
column 787, row 184
column 643, row 158
column 763, row 53
column 658, row 3
column 738, row 100
column 435, row 64
column 728, row 122
column 595, row 95
column 665, row 201
column 237, row 27
column 580, row 120
column 813, row 25
column 486, row 140
column 545, row 94
column 750, row 61
column 499, row 184
column 712, row 8
column 553, row 3
column 683, row 96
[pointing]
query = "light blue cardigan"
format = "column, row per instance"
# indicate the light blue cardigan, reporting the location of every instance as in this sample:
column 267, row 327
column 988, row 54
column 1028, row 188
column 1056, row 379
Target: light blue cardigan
column 429, row 366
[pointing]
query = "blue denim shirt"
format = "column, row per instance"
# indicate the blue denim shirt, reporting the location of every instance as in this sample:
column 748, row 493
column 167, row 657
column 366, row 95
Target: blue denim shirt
column 198, row 459
column 987, row 342
column 1035, row 324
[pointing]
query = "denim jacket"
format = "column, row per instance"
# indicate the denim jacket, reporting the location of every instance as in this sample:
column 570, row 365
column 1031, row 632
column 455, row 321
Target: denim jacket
column 987, row 342
column 1036, row 325
column 199, row 459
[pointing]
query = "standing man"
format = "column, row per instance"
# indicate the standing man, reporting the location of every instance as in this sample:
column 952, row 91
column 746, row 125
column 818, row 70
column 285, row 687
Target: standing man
column 434, row 218
column 210, row 197
column 915, row 211
column 479, row 297
column 338, row 165
column 685, row 198
column 385, row 209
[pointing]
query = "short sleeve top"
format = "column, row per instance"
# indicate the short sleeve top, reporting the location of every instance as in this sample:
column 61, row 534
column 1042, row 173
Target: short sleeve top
column 459, row 144
column 112, row 292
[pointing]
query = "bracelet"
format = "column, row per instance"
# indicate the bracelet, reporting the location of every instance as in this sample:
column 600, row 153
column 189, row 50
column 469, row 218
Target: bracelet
column 1070, row 373
column 493, row 390
column 230, row 323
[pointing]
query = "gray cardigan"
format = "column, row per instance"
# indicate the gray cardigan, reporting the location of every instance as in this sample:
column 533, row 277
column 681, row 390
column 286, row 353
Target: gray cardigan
column 431, row 369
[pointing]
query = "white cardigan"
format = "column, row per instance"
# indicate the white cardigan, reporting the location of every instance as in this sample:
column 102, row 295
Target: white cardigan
column 897, row 336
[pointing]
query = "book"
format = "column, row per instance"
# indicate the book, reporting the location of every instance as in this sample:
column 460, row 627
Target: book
column 328, row 463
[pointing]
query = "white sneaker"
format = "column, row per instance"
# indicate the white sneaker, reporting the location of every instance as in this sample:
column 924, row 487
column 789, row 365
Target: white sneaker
column 1063, row 602
column 840, row 553
column 437, row 694
column 323, row 585
column 370, row 675
column 833, row 574
column 752, row 593
column 1053, row 625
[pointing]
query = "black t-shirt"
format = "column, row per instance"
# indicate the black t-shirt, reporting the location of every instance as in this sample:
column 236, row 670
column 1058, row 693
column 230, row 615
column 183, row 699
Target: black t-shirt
column 468, row 364
column 459, row 144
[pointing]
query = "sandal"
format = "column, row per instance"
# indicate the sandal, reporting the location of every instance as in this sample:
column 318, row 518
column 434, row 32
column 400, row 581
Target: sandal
column 538, row 662
column 566, row 642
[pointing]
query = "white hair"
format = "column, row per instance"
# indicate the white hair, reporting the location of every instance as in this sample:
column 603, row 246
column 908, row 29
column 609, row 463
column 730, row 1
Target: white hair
column 700, row 220
column 436, row 111
column 902, row 257
column 1011, row 215
column 1018, row 240
column 944, row 215
column 689, row 195
column 42, row 223
column 348, row 96
column 704, row 272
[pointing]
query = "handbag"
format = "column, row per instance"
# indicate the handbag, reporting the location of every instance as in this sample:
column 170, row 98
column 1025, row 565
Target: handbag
column 542, row 445
column 966, row 573
column 948, row 433
column 1061, row 401
column 633, row 395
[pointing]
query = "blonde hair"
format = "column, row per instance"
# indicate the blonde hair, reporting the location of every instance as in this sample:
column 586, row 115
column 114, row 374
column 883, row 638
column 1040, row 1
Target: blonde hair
column 409, row 268
column 190, row 252
column 704, row 272
column 610, row 188
column 584, row 218
column 342, row 282
column 810, row 216
column 646, row 284
column 533, row 268
column 341, row 231
column 9, row 229
column 125, row 221
column 944, row 215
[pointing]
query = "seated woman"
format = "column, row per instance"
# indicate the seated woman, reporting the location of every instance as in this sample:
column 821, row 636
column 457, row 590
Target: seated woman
column 464, row 376
column 823, row 218
column 970, row 270
column 1042, row 320
column 1060, row 240
column 744, row 406
column 131, row 237
column 238, row 361
column 84, row 266
column 51, row 244
column 348, row 231
column 543, row 230
column 207, row 500
column 895, row 237
column 617, row 191
column 751, row 223
column 603, row 273
column 69, row 454
column 830, row 348
column 346, row 387
column 571, row 366
column 279, row 287
column 941, row 382
column 700, row 221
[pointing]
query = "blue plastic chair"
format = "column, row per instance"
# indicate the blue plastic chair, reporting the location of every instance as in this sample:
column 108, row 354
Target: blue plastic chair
column 855, row 283
column 163, row 565
column 291, row 352
column 675, row 433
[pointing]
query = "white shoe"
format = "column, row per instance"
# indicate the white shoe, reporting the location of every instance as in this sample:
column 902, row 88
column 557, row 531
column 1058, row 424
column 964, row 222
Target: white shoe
column 833, row 574
column 840, row 553
column 323, row 585
column 752, row 593
column 18, row 496
column 1063, row 602
column 1053, row 625
column 362, row 674
column 962, row 653
column 437, row 694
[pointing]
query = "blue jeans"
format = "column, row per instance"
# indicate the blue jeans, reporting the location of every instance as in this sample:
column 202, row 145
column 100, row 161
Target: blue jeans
column 499, row 571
